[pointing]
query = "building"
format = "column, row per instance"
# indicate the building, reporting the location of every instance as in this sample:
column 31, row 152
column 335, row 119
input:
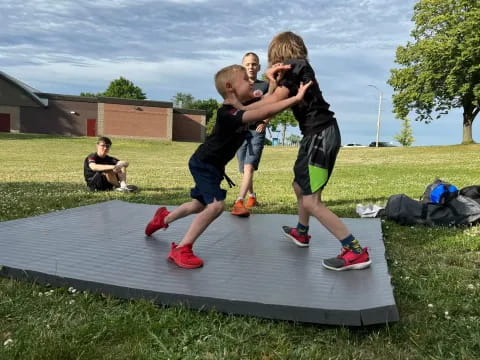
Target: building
column 26, row 110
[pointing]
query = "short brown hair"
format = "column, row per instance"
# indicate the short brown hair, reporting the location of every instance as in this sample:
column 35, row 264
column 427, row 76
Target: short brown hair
column 225, row 75
column 285, row 46
column 251, row 54
column 105, row 140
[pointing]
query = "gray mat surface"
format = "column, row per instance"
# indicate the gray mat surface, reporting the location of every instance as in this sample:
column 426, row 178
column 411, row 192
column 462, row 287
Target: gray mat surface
column 250, row 268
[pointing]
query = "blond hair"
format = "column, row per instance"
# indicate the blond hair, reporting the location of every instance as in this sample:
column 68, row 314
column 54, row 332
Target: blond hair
column 226, row 75
column 251, row 54
column 285, row 46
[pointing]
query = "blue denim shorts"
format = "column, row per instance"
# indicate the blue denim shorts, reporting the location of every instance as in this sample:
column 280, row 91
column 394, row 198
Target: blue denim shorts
column 251, row 150
column 207, row 181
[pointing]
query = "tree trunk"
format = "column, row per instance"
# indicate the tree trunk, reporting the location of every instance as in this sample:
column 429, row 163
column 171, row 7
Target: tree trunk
column 468, row 116
column 284, row 132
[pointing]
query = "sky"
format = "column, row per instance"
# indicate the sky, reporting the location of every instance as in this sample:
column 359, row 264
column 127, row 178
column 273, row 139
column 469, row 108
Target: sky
column 171, row 46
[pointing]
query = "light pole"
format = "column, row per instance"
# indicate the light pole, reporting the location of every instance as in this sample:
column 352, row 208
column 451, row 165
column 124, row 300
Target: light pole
column 380, row 94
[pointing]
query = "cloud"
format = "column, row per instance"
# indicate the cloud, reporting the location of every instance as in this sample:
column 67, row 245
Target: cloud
column 174, row 46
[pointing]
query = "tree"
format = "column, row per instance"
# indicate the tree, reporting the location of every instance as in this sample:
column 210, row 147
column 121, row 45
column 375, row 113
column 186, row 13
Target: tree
column 441, row 69
column 123, row 88
column 187, row 101
column 283, row 119
column 210, row 106
column 184, row 101
column 89, row 94
column 294, row 139
column 405, row 137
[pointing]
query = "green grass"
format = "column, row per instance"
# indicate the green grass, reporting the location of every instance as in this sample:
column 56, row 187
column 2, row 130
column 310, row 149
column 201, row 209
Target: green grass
column 435, row 271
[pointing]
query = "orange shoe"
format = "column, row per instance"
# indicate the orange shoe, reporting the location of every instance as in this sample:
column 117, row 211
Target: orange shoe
column 239, row 209
column 251, row 202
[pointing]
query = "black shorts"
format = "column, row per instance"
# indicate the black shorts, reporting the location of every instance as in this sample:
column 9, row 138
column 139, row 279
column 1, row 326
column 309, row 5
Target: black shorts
column 99, row 182
column 316, row 159
column 207, row 181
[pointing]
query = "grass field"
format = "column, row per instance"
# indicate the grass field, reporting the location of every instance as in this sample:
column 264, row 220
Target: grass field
column 435, row 271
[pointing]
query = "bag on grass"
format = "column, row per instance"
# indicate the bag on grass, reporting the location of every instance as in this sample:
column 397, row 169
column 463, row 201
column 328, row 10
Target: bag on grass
column 472, row 192
column 439, row 192
column 460, row 210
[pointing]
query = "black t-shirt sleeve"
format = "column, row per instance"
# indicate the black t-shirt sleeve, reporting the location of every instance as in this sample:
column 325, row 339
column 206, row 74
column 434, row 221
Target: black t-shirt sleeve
column 300, row 72
column 231, row 119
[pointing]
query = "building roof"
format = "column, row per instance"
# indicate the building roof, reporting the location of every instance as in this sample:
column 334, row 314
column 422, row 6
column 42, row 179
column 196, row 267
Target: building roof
column 26, row 89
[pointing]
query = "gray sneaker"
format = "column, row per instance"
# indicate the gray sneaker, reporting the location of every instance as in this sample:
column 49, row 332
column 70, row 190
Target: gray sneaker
column 132, row 188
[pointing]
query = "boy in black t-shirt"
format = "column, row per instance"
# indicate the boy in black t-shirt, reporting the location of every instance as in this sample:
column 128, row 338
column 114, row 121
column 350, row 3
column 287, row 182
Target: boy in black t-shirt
column 207, row 164
column 317, row 154
column 103, row 172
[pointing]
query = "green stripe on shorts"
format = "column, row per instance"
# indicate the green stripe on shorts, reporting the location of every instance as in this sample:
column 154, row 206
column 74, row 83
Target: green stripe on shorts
column 318, row 177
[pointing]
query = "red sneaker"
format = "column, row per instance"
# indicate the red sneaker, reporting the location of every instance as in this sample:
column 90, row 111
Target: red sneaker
column 292, row 234
column 251, row 202
column 348, row 260
column 184, row 257
column 239, row 209
column 157, row 222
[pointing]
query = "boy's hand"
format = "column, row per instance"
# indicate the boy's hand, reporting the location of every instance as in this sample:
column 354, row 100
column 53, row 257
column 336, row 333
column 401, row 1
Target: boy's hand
column 261, row 127
column 119, row 165
column 276, row 71
column 302, row 89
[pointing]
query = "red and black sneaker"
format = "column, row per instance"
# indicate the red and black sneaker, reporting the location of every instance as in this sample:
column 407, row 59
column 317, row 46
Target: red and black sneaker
column 157, row 222
column 292, row 234
column 184, row 257
column 348, row 260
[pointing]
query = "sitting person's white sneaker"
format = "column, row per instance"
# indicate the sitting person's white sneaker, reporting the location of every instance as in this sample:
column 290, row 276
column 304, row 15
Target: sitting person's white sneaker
column 126, row 188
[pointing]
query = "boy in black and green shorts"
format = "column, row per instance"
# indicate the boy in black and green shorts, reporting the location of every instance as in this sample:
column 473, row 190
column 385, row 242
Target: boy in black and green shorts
column 317, row 154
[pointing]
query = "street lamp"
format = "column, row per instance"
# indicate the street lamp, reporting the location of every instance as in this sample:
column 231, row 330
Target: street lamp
column 379, row 111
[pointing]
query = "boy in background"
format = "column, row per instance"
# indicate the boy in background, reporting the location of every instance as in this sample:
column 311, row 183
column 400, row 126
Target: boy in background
column 250, row 151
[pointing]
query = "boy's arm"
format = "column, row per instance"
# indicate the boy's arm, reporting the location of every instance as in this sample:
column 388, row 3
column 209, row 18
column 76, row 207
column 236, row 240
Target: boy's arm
column 280, row 93
column 270, row 109
column 275, row 93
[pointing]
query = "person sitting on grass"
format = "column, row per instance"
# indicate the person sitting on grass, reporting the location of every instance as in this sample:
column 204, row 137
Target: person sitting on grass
column 103, row 172
column 207, row 164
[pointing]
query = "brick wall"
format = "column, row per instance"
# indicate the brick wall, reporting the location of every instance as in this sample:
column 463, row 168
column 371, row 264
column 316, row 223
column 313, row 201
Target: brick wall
column 136, row 121
column 188, row 126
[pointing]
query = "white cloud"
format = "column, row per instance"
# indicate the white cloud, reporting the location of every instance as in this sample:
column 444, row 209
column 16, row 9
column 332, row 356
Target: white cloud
column 174, row 46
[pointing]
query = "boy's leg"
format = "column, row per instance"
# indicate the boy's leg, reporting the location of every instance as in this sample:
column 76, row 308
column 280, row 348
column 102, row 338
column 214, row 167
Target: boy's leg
column 112, row 177
column 99, row 182
column 299, row 234
column 201, row 222
column 247, row 181
column 248, row 156
column 162, row 217
column 314, row 206
column 182, row 254
column 239, row 208
column 352, row 257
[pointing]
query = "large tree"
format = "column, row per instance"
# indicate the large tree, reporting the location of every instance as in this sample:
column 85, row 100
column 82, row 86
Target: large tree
column 441, row 68
column 120, row 88
column 123, row 88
